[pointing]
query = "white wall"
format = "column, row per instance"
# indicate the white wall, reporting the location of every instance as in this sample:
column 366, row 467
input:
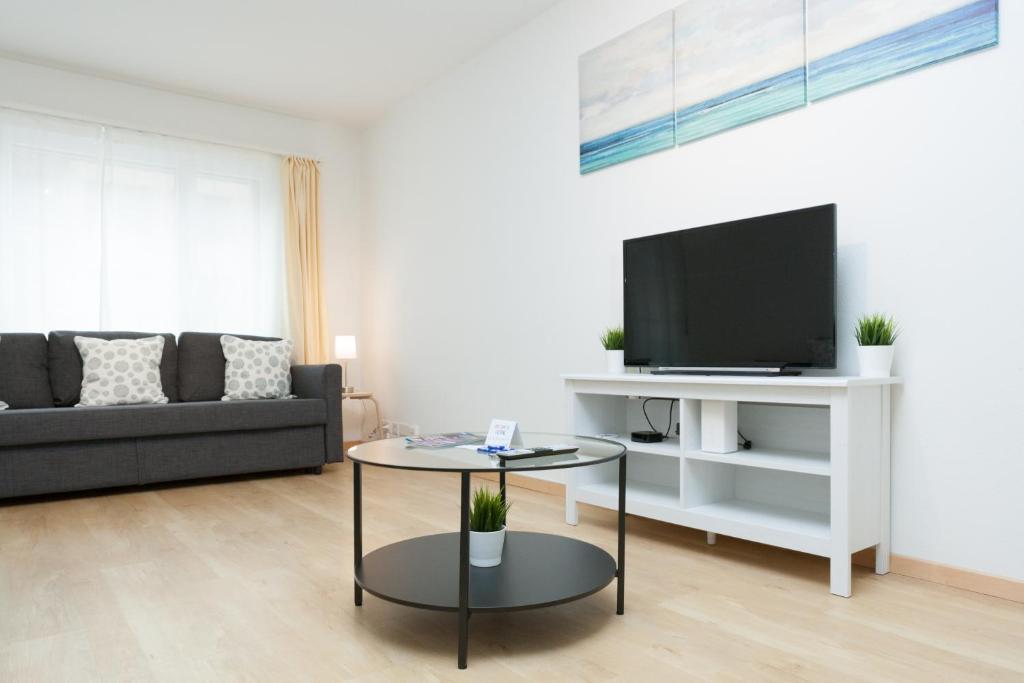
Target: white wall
column 52, row 91
column 492, row 265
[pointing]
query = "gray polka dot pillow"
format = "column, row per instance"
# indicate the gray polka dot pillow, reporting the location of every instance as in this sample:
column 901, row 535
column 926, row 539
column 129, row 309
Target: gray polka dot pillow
column 256, row 369
column 121, row 372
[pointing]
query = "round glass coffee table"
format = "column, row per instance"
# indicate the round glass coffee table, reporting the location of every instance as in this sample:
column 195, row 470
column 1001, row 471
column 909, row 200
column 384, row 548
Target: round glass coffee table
column 536, row 570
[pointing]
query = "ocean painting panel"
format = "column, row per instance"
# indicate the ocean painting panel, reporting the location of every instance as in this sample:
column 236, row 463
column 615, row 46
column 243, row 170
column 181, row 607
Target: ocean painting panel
column 851, row 43
column 626, row 96
column 736, row 62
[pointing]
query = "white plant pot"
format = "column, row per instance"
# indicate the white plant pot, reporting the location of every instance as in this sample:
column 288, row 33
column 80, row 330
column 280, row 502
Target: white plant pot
column 616, row 362
column 875, row 361
column 485, row 547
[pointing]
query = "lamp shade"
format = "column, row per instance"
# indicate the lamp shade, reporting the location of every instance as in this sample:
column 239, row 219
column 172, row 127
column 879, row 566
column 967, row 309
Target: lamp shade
column 345, row 347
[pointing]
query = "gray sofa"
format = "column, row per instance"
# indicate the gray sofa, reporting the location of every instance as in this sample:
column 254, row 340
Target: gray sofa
column 48, row 446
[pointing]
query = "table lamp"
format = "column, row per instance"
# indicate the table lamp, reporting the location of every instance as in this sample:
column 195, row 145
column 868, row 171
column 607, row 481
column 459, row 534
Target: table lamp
column 345, row 350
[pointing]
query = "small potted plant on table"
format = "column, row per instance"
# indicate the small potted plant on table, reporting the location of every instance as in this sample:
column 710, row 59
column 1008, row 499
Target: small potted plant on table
column 487, row 528
column 614, row 342
column 876, row 334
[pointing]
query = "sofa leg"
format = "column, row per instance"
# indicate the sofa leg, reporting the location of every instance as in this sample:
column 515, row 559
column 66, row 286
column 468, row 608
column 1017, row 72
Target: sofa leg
column 319, row 469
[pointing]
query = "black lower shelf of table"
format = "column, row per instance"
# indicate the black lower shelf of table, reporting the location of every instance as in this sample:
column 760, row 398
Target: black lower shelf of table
column 536, row 570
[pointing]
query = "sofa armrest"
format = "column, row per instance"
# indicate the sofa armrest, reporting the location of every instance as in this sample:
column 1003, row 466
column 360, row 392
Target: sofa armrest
column 323, row 382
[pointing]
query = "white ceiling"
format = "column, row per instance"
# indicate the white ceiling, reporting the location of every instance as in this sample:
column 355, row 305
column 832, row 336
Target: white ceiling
column 336, row 60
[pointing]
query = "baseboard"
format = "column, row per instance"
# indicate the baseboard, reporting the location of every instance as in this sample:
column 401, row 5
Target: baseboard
column 955, row 577
column 979, row 582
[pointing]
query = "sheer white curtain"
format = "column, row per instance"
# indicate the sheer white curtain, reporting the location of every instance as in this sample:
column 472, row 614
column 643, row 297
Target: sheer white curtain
column 105, row 228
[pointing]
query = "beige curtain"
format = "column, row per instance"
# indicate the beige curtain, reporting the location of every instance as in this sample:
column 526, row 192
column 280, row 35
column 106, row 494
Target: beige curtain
column 306, row 304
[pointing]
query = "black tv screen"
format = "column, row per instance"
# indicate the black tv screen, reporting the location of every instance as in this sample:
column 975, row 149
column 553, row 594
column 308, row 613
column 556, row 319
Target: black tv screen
column 759, row 292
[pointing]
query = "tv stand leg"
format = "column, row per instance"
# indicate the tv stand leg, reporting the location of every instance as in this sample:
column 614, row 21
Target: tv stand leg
column 882, row 558
column 885, row 533
column 840, row 576
column 712, row 538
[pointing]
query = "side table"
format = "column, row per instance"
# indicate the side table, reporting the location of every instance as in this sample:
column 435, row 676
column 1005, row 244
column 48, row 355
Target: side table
column 378, row 432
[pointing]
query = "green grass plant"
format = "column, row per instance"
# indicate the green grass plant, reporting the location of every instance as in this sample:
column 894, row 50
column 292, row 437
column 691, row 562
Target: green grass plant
column 488, row 511
column 876, row 329
column 613, row 339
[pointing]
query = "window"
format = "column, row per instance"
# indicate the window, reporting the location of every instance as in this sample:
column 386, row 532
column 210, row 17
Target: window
column 105, row 228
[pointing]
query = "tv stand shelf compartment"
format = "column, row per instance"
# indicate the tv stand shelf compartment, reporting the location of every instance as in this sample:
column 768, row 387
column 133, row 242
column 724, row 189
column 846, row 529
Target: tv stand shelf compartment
column 815, row 481
column 807, row 462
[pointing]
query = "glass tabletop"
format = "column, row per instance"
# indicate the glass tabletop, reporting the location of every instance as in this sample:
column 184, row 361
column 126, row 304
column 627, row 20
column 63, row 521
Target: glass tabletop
column 396, row 453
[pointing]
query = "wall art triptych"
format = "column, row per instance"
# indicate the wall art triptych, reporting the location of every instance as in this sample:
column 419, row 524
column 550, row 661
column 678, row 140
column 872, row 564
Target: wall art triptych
column 712, row 65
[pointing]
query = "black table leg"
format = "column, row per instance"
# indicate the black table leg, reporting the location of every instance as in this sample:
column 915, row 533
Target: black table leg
column 464, row 573
column 501, row 483
column 357, row 522
column 622, row 535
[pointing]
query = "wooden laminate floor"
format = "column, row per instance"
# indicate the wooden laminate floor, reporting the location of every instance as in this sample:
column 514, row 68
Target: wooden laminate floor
column 251, row 579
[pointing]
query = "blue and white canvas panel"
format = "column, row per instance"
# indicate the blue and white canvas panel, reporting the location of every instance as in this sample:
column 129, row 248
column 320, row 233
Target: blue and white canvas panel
column 736, row 62
column 626, row 96
column 855, row 42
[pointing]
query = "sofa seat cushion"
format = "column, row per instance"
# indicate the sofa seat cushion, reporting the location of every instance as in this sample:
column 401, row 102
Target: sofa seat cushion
column 201, row 364
column 66, row 364
column 24, row 376
column 58, row 425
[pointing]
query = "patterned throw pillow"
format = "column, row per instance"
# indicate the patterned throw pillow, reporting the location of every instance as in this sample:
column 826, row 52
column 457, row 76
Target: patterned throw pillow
column 256, row 369
column 121, row 372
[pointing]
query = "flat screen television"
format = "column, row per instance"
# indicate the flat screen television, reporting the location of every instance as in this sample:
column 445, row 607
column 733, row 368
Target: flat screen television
column 750, row 294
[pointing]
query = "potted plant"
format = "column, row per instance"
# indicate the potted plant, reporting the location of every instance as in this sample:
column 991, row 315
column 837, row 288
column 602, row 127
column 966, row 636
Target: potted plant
column 487, row 528
column 614, row 342
column 875, row 336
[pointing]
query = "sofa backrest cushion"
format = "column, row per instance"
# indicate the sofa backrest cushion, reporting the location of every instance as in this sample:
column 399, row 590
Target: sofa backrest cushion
column 66, row 363
column 201, row 364
column 24, row 378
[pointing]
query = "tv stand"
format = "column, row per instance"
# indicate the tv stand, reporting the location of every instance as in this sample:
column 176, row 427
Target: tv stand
column 780, row 372
column 816, row 480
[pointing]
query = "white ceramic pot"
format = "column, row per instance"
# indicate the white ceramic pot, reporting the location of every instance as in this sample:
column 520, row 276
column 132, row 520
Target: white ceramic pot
column 616, row 362
column 875, row 361
column 485, row 547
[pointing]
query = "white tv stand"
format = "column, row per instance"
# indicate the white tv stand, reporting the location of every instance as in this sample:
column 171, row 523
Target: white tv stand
column 816, row 479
